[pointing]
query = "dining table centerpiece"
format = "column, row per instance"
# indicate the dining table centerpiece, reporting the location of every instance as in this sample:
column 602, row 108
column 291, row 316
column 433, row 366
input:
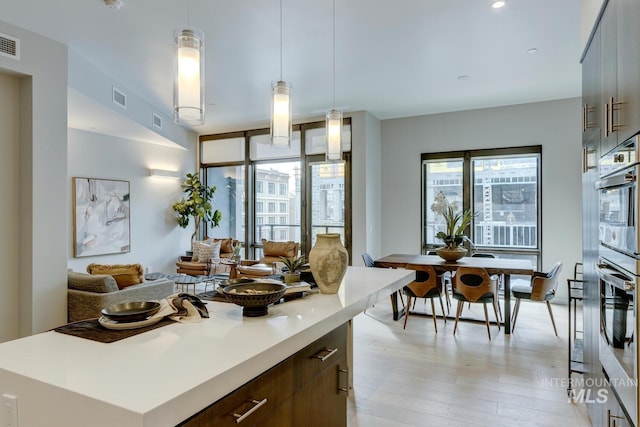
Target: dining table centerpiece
column 456, row 222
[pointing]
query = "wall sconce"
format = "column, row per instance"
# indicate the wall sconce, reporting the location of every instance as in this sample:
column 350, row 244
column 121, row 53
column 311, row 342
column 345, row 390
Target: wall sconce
column 161, row 173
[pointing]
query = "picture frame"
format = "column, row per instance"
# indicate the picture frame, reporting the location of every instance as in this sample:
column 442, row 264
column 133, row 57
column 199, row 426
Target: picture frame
column 101, row 216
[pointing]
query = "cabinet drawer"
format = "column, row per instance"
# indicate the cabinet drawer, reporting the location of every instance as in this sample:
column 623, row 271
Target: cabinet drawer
column 252, row 404
column 318, row 356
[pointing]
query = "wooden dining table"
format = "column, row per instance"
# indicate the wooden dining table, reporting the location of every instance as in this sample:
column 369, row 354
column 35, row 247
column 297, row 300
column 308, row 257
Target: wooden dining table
column 501, row 266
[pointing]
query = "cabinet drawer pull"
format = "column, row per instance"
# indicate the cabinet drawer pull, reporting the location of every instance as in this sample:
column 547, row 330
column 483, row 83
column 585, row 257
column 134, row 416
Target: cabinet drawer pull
column 256, row 404
column 328, row 352
column 343, row 389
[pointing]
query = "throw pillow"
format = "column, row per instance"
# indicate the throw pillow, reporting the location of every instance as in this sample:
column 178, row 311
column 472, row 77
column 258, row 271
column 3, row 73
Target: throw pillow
column 277, row 249
column 124, row 274
column 204, row 251
column 225, row 245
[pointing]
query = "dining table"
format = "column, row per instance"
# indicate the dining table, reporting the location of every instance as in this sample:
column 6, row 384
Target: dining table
column 500, row 266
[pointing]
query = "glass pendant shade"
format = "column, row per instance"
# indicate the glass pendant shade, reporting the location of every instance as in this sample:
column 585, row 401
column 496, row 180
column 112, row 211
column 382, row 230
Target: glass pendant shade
column 188, row 83
column 334, row 135
column 281, row 115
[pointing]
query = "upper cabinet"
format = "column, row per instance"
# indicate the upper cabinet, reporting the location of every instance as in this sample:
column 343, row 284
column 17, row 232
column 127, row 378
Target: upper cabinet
column 626, row 117
column 611, row 76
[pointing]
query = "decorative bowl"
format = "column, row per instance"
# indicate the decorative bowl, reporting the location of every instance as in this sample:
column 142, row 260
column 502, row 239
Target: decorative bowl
column 133, row 311
column 255, row 297
column 451, row 255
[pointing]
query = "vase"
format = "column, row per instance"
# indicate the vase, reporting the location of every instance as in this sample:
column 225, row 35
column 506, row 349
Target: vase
column 328, row 260
column 451, row 254
column 291, row 277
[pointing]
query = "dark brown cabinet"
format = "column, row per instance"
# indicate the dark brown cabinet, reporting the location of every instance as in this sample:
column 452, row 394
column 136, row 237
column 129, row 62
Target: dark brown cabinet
column 307, row 389
column 619, row 36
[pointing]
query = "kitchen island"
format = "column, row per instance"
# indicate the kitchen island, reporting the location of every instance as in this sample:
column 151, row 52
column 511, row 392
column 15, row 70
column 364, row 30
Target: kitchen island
column 164, row 376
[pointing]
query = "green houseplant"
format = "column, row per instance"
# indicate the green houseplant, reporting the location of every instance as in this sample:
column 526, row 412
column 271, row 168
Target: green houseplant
column 293, row 266
column 197, row 203
column 455, row 222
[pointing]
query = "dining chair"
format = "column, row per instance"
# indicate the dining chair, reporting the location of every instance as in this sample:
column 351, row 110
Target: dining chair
column 498, row 279
column 428, row 286
column 542, row 288
column 368, row 262
column 447, row 284
column 473, row 285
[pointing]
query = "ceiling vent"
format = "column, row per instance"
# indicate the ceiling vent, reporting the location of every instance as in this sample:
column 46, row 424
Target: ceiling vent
column 157, row 121
column 9, row 46
column 119, row 98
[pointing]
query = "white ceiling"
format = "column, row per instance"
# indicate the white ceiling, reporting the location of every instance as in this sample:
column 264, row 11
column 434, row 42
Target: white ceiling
column 393, row 58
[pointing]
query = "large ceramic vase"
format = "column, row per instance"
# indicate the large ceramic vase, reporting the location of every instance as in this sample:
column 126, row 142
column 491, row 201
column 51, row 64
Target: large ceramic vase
column 328, row 260
column 451, row 254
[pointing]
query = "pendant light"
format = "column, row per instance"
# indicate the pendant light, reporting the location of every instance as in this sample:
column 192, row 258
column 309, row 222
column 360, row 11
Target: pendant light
column 334, row 117
column 281, row 106
column 188, row 78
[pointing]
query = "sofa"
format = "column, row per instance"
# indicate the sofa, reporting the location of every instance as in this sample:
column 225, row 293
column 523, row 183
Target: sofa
column 88, row 294
column 270, row 262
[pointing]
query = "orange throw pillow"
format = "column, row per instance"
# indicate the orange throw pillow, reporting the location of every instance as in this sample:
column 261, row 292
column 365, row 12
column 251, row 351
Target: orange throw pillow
column 124, row 274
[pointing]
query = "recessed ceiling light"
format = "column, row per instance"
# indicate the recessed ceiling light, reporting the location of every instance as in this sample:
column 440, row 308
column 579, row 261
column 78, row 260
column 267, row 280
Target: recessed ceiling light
column 497, row 4
column 113, row 4
column 463, row 77
column 532, row 50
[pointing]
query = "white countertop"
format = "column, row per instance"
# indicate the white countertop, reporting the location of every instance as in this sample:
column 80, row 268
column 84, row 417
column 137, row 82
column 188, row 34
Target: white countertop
column 163, row 376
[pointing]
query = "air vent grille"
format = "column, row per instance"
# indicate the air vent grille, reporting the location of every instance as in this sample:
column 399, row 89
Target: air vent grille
column 119, row 98
column 9, row 46
column 157, row 121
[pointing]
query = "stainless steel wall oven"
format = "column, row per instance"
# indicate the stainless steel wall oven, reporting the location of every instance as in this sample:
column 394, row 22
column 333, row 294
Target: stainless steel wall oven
column 618, row 271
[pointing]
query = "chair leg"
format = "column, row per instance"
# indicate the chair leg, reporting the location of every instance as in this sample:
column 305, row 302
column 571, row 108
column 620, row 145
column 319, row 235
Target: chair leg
column 444, row 317
column 497, row 302
column 414, row 303
column 446, row 294
column 458, row 310
column 553, row 322
column 495, row 311
column 486, row 319
column 516, row 308
column 406, row 312
column 433, row 315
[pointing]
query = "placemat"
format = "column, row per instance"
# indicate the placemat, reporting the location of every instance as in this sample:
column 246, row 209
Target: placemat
column 92, row 330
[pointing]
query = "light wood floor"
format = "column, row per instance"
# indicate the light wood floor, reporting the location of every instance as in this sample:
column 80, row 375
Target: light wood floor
column 415, row 377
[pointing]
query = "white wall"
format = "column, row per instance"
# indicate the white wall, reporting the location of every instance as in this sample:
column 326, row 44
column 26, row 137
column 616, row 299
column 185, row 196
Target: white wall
column 156, row 239
column 41, row 262
column 555, row 125
column 366, row 181
column 9, row 191
column 589, row 11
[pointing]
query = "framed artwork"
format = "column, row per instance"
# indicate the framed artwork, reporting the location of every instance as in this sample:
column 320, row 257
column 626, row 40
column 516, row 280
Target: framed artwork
column 101, row 217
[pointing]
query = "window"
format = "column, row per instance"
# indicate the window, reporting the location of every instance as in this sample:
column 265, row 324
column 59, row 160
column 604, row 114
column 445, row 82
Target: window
column 229, row 199
column 500, row 186
column 280, row 188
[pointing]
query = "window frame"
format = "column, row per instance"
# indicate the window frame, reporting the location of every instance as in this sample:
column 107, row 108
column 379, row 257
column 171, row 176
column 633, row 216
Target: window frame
column 254, row 248
column 467, row 156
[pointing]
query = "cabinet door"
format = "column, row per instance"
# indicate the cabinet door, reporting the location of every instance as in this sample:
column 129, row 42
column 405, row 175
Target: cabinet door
column 322, row 402
column 608, row 58
column 627, row 117
column 591, row 91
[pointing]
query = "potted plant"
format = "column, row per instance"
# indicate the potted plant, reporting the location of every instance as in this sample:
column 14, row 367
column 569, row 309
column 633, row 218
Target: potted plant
column 455, row 224
column 197, row 204
column 293, row 267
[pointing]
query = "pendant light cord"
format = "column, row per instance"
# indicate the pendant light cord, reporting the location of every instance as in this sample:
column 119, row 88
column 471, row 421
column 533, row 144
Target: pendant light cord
column 334, row 54
column 188, row 14
column 280, row 40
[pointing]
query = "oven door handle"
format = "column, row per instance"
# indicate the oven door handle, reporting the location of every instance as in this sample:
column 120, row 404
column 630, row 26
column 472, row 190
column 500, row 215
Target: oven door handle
column 616, row 181
column 613, row 277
